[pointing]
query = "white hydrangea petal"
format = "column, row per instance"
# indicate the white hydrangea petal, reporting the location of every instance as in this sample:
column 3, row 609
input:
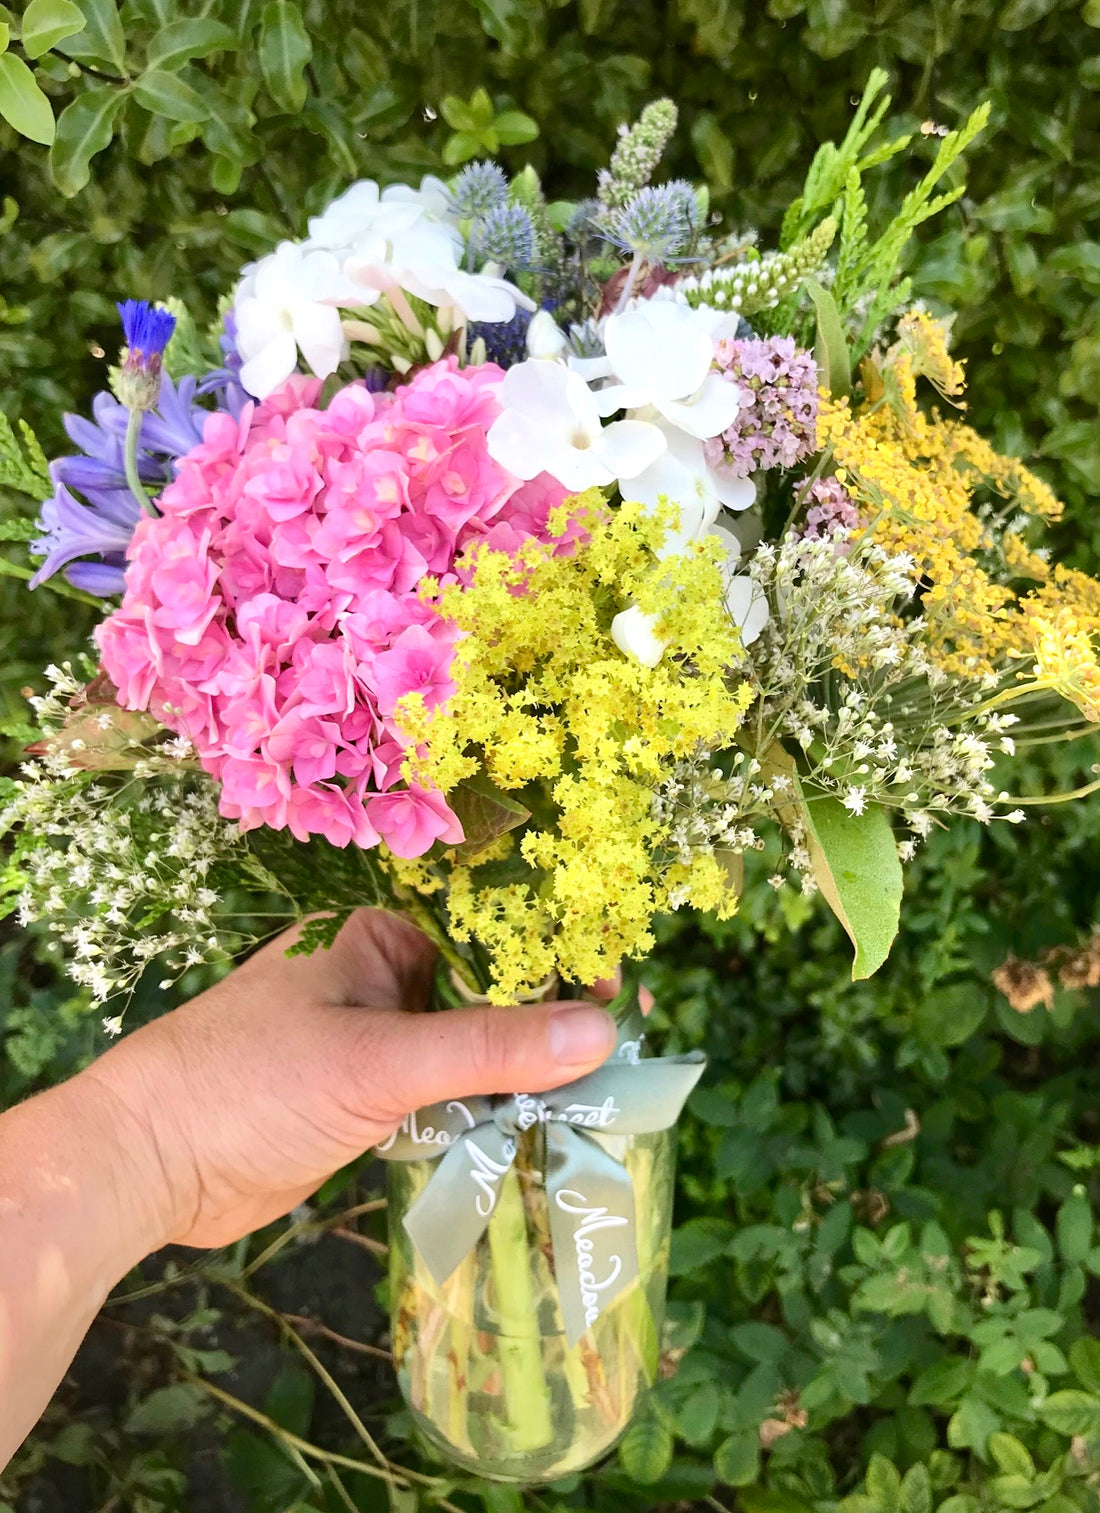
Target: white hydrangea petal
column 320, row 336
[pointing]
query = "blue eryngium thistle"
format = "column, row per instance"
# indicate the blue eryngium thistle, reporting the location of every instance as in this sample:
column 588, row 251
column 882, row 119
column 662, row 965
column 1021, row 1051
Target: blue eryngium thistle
column 656, row 223
column 147, row 331
column 478, row 189
column 507, row 236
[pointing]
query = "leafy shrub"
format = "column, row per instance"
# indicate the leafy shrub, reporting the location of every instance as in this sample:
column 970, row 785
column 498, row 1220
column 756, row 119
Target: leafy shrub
column 887, row 1262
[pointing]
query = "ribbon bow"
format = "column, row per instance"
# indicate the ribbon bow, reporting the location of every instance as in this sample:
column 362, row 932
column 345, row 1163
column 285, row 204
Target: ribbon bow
column 589, row 1192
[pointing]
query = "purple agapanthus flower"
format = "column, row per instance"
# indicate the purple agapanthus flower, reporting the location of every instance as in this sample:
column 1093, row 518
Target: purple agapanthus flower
column 101, row 523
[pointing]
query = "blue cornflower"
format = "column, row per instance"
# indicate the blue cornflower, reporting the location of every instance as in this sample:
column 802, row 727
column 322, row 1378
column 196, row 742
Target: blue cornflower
column 147, row 331
column 479, row 188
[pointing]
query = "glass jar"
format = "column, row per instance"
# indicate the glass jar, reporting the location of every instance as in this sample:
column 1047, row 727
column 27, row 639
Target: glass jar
column 482, row 1360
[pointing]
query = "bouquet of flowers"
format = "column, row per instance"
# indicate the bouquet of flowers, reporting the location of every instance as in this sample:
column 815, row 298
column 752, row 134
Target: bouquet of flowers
column 520, row 566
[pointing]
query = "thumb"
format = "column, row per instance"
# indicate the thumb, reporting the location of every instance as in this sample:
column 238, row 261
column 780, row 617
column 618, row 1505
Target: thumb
column 416, row 1059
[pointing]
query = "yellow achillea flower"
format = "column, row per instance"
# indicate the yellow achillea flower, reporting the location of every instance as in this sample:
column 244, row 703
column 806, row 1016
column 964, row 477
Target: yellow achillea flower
column 1065, row 659
column 550, row 711
column 924, row 485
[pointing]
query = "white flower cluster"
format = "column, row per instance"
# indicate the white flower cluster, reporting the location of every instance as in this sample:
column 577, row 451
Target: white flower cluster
column 371, row 247
column 122, row 872
column 657, row 372
column 845, row 679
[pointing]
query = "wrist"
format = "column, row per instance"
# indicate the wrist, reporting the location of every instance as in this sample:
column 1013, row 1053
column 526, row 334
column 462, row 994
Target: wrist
column 115, row 1121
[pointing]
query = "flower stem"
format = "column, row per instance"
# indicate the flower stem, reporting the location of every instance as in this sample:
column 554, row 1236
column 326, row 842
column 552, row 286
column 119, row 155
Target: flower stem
column 130, row 451
column 525, row 1390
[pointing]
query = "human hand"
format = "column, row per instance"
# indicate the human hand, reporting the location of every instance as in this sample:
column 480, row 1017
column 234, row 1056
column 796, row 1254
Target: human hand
column 237, row 1106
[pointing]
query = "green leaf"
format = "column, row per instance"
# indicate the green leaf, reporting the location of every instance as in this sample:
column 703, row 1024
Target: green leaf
column 83, row 128
column 168, row 1410
column 834, row 360
column 5, row 35
column 180, row 41
column 1011, row 1456
column 1073, row 1227
column 856, row 866
column 48, row 22
column 102, row 40
column 697, row 1243
column 22, row 103
column 285, row 49
column 737, row 1459
column 916, row 1490
column 1084, row 1358
column 949, row 1016
column 171, row 95
column 461, row 147
column 513, row 127
column 1071, row 1413
column 759, row 1341
column 884, row 1483
column 485, row 812
column 645, row 1450
column 289, row 1399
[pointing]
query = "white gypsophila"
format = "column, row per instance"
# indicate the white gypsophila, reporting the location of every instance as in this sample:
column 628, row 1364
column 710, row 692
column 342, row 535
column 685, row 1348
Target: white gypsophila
column 121, row 880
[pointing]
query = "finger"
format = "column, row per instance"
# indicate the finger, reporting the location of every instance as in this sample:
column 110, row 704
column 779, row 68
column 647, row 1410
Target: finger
column 414, row 1059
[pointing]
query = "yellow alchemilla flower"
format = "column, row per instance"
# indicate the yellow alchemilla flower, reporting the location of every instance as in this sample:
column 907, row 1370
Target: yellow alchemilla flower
column 549, row 709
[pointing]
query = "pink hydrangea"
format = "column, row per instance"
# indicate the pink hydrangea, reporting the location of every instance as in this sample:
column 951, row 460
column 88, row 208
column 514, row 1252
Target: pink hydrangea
column 272, row 612
column 776, row 425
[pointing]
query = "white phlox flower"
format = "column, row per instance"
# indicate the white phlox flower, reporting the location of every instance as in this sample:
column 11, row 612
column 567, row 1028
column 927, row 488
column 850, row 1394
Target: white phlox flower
column 681, row 473
column 660, row 356
column 284, row 304
column 550, row 423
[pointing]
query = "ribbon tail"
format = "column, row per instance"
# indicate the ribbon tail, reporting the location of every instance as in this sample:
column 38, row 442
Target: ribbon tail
column 591, row 1203
column 451, row 1214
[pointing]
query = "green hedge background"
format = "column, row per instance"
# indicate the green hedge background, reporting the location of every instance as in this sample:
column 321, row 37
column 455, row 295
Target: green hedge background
column 887, row 1265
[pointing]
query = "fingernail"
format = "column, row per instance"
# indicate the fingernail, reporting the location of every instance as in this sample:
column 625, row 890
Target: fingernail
column 580, row 1033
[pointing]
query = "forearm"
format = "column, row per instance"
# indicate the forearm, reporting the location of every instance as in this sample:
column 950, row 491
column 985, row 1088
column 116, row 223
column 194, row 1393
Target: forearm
column 71, row 1226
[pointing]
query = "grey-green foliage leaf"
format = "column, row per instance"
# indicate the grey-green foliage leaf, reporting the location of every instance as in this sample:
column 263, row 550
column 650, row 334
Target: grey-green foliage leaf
column 48, row 22
column 285, row 49
column 102, row 39
column 181, row 41
column 83, row 128
column 171, row 95
column 22, row 104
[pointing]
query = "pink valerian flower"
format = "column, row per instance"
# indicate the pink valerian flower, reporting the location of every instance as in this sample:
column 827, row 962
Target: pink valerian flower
column 271, row 613
column 776, row 426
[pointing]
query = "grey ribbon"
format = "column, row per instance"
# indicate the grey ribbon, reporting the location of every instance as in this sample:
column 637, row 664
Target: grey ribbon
column 589, row 1193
